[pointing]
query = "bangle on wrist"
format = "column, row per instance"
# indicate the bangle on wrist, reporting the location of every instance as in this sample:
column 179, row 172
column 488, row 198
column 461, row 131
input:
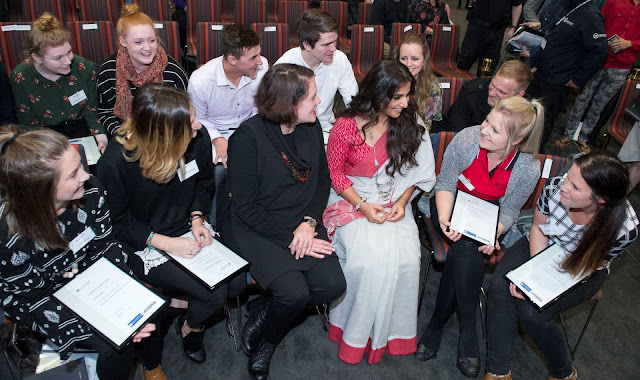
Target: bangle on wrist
column 362, row 200
column 194, row 217
column 514, row 26
column 149, row 240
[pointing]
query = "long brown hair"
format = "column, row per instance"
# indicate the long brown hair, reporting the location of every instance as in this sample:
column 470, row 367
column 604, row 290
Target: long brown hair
column 158, row 132
column 29, row 175
column 378, row 87
column 425, row 77
column 608, row 179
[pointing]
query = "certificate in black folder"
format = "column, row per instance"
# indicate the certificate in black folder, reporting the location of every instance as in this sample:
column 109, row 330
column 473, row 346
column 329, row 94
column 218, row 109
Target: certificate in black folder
column 541, row 279
column 475, row 218
column 110, row 301
column 212, row 265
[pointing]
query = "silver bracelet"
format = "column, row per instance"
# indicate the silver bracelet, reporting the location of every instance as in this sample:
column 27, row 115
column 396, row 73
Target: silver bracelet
column 362, row 199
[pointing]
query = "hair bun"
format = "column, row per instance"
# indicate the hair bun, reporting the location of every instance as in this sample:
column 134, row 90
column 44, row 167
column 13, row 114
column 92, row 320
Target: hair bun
column 129, row 9
column 47, row 22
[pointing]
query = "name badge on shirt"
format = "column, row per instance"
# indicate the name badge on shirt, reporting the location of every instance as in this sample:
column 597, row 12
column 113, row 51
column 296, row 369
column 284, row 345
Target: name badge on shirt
column 466, row 182
column 549, row 229
column 189, row 170
column 81, row 240
column 77, row 97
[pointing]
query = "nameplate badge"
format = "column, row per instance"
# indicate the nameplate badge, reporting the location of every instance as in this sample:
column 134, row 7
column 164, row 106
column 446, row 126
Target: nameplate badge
column 368, row 29
column 189, row 170
column 465, row 181
column 546, row 170
column 158, row 26
column 270, row 29
column 77, row 97
column 445, row 85
column 408, row 28
column 549, row 229
column 81, row 240
column 446, row 28
column 89, row 26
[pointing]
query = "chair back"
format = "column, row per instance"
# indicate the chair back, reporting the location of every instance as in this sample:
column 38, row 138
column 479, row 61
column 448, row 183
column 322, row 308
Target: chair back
column 450, row 88
column 444, row 51
column 364, row 13
column 92, row 10
column 398, row 30
column 95, row 41
column 554, row 164
column 274, row 39
column 11, row 40
column 61, row 9
column 273, row 7
column 366, row 48
column 620, row 123
column 209, row 36
column 227, row 10
column 158, row 10
column 338, row 10
column 290, row 12
column 170, row 37
column 205, row 11
column 251, row 11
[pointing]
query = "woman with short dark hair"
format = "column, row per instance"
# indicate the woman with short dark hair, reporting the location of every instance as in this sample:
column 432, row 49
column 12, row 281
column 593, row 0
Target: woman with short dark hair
column 271, row 214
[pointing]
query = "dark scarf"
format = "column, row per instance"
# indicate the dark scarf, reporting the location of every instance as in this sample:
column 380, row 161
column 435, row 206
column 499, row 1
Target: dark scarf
column 297, row 162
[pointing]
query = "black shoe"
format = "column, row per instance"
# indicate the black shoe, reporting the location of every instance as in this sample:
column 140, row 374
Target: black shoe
column 253, row 326
column 424, row 354
column 192, row 345
column 260, row 360
column 470, row 367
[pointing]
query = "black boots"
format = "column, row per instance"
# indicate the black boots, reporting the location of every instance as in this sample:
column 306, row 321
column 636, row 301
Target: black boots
column 260, row 359
column 192, row 345
column 253, row 326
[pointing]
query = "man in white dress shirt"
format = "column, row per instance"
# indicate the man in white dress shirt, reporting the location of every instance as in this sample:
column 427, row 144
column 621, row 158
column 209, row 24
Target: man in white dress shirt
column 318, row 51
column 222, row 92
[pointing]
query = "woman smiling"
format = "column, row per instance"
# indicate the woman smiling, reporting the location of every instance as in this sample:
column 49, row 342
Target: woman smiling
column 141, row 59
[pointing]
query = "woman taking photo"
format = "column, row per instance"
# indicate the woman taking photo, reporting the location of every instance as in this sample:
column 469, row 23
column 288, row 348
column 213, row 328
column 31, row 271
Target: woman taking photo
column 378, row 155
column 498, row 162
column 413, row 52
column 595, row 223
column 53, row 88
column 277, row 186
column 158, row 172
column 140, row 60
column 36, row 229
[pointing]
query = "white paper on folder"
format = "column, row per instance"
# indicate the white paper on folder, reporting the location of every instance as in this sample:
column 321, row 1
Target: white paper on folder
column 90, row 148
column 475, row 218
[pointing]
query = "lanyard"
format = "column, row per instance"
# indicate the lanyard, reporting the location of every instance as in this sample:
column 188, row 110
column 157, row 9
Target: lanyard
column 570, row 12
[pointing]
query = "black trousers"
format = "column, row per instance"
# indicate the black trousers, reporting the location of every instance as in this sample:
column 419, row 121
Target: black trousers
column 111, row 363
column 175, row 281
column 540, row 325
column 552, row 98
column 481, row 41
column 459, row 286
column 294, row 290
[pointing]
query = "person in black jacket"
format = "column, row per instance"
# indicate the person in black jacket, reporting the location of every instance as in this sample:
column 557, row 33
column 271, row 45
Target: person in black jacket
column 7, row 106
column 576, row 49
column 479, row 95
column 276, row 191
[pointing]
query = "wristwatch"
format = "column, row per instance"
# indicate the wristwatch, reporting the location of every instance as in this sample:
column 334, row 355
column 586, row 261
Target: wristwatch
column 312, row 222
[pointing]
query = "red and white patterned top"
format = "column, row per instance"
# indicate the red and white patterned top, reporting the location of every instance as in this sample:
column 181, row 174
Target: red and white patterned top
column 345, row 149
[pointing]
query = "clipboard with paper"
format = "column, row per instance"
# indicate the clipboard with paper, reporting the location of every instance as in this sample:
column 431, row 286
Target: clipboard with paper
column 475, row 218
column 542, row 280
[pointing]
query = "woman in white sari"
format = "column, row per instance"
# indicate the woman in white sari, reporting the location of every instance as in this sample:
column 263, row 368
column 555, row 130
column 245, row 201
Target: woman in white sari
column 378, row 155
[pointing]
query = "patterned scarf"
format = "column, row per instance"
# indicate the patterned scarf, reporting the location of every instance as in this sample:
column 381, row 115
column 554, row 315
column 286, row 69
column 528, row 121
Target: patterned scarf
column 125, row 73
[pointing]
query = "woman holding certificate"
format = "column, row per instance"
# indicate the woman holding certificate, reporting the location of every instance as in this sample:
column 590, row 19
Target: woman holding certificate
column 496, row 161
column 54, row 224
column 271, row 214
column 158, row 172
column 587, row 214
column 378, row 156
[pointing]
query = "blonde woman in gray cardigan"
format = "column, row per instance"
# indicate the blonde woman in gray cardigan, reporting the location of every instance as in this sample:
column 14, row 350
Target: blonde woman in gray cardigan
column 499, row 158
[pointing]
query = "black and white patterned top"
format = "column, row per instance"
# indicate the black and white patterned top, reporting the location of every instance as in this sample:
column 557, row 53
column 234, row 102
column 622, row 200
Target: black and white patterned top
column 29, row 275
column 570, row 233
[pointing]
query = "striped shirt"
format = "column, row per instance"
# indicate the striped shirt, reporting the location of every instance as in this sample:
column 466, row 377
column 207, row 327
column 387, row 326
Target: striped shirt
column 569, row 233
column 173, row 75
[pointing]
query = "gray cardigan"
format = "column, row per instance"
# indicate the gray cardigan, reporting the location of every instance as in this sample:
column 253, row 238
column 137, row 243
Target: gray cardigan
column 461, row 152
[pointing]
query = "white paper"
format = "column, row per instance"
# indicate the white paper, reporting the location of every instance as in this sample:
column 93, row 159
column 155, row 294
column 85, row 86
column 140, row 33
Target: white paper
column 217, row 27
column 446, row 28
column 542, row 278
column 269, row 29
column 89, row 26
column 50, row 358
column 465, row 181
column 444, row 85
column 77, row 97
column 408, row 28
column 475, row 218
column 212, row 264
column 12, row 28
column 158, row 26
column 368, row 29
column 90, row 148
column 550, row 229
column 546, row 169
column 109, row 300
column 527, row 40
column 81, row 240
column 190, row 170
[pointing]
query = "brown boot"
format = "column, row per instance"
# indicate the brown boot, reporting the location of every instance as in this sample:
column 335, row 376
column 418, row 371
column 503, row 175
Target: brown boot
column 154, row 374
column 488, row 376
column 573, row 376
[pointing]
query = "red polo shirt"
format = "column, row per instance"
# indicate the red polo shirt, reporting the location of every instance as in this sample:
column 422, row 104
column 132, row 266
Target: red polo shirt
column 489, row 186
